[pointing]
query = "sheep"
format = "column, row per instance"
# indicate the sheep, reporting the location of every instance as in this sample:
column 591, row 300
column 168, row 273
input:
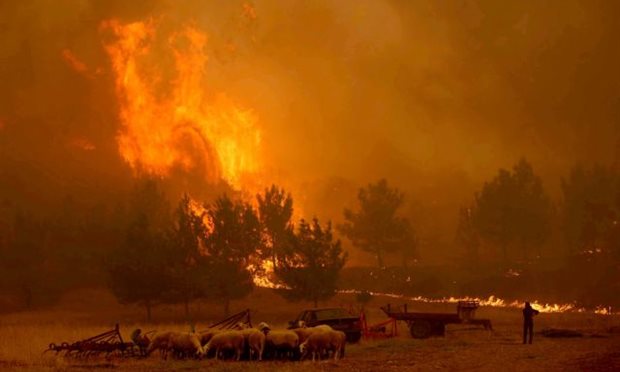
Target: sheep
column 279, row 341
column 282, row 342
column 264, row 327
column 321, row 342
column 184, row 344
column 305, row 332
column 323, row 327
column 255, row 341
column 205, row 336
column 160, row 342
column 340, row 344
column 229, row 340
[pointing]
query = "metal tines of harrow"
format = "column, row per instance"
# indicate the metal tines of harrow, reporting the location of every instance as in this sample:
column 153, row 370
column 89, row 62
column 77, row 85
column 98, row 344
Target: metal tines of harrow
column 108, row 343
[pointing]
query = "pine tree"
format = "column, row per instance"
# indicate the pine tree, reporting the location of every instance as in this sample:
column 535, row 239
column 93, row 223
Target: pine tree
column 190, row 269
column 139, row 270
column 231, row 248
column 513, row 211
column 311, row 267
column 376, row 227
column 275, row 209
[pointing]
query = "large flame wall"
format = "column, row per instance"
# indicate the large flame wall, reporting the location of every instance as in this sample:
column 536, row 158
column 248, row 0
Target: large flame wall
column 169, row 118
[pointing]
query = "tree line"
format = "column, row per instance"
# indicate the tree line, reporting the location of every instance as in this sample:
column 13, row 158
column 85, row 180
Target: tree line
column 150, row 251
column 214, row 250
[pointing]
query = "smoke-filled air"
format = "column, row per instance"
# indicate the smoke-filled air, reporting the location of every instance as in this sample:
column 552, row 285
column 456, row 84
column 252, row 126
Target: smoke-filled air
column 255, row 180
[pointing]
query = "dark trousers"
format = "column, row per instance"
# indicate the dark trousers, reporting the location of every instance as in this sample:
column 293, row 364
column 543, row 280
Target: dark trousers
column 528, row 328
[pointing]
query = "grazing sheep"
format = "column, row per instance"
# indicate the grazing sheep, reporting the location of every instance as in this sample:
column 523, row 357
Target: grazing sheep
column 186, row 345
column 305, row 332
column 228, row 340
column 160, row 342
column 323, row 327
column 282, row 343
column 181, row 344
column 340, row 345
column 206, row 336
column 255, row 342
column 319, row 343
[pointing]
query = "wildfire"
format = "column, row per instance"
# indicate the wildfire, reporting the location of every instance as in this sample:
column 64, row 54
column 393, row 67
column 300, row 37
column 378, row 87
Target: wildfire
column 169, row 119
column 263, row 279
column 491, row 301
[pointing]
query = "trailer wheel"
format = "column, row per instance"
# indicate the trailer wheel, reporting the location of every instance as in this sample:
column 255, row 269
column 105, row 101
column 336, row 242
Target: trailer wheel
column 420, row 328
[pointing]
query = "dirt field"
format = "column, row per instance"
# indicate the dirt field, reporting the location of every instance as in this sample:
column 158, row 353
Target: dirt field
column 23, row 337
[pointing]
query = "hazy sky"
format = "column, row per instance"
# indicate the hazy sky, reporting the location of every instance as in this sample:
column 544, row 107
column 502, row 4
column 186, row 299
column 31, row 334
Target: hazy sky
column 434, row 95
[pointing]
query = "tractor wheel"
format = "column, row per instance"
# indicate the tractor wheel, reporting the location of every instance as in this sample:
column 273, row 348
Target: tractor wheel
column 420, row 328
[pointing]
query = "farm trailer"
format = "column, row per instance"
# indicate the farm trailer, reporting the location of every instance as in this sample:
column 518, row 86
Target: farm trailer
column 424, row 325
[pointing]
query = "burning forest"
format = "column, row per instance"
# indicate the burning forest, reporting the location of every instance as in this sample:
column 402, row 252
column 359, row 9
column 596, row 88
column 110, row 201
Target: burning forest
column 283, row 180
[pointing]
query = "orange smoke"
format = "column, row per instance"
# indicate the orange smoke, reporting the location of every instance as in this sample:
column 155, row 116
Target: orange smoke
column 169, row 119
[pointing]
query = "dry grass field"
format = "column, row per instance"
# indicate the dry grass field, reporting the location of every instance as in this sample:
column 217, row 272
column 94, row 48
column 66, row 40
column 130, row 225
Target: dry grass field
column 23, row 337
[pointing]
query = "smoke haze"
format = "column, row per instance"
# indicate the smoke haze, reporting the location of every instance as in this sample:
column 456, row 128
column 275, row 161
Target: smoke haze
column 434, row 96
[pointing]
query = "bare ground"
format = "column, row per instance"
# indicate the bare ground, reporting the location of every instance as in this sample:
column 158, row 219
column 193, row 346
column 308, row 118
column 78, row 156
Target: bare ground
column 24, row 336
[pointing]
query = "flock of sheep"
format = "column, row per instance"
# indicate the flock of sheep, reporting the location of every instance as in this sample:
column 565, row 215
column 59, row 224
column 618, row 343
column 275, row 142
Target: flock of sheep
column 248, row 343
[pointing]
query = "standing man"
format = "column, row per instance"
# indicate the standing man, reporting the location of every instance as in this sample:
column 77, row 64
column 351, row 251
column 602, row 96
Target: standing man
column 528, row 322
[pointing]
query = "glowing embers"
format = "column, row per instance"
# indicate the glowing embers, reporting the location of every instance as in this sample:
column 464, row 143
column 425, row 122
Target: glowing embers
column 169, row 120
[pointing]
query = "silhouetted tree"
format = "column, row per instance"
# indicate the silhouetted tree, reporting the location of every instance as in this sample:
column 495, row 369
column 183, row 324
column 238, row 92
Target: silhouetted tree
column 190, row 266
column 24, row 263
column 275, row 209
column 231, row 248
column 513, row 209
column 589, row 208
column 140, row 270
column 310, row 269
column 376, row 227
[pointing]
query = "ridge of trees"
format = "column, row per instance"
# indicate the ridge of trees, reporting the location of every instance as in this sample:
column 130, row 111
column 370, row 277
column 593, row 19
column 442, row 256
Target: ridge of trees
column 150, row 253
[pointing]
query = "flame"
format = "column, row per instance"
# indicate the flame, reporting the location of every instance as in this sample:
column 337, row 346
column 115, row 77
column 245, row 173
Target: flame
column 173, row 122
column 492, row 301
column 264, row 279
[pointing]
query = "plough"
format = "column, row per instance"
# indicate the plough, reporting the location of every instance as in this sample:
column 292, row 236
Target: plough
column 111, row 343
column 242, row 317
column 108, row 343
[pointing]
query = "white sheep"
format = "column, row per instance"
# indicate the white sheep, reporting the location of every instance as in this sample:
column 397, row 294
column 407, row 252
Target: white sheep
column 255, row 340
column 305, row 332
column 282, row 342
column 161, row 342
column 205, row 336
column 263, row 327
column 227, row 340
column 184, row 344
column 324, row 342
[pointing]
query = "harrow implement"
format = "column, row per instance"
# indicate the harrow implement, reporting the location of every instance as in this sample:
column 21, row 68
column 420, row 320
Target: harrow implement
column 108, row 343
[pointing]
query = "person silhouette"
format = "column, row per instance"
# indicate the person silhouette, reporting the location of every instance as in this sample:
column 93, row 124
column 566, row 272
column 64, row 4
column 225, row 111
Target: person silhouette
column 528, row 322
